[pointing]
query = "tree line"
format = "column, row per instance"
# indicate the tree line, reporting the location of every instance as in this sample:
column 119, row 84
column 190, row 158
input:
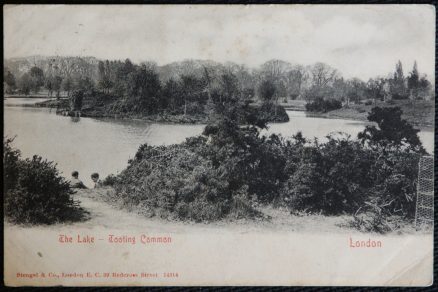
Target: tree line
column 183, row 86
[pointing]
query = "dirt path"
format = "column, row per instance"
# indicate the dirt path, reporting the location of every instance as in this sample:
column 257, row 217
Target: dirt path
column 280, row 252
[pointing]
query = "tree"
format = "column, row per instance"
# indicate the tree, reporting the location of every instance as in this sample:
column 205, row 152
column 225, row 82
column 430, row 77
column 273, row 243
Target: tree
column 356, row 89
column 276, row 72
column 424, row 88
column 172, row 95
column 10, row 82
column 84, row 84
column 57, row 81
column 37, row 76
column 49, row 85
column 374, row 89
column 294, row 81
column 76, row 100
column 392, row 132
column 194, row 92
column 322, row 75
column 266, row 90
column 144, row 90
column 67, row 85
column 105, row 82
column 418, row 87
column 25, row 84
column 397, row 83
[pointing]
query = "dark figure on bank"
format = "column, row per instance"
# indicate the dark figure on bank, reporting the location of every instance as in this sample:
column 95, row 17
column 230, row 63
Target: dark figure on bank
column 96, row 180
column 75, row 182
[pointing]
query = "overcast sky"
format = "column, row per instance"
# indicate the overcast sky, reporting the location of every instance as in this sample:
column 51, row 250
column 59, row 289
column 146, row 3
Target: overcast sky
column 361, row 41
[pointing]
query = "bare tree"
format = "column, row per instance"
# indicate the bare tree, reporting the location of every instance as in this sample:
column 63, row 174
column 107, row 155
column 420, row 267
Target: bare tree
column 322, row 74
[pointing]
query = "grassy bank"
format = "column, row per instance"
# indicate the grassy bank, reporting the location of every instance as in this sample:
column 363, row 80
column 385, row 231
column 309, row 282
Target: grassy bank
column 419, row 113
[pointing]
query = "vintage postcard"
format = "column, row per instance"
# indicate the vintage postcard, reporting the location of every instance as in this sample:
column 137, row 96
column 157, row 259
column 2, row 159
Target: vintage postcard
column 164, row 145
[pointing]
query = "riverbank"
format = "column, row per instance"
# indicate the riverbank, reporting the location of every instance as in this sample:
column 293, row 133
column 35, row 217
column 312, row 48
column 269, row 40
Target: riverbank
column 418, row 113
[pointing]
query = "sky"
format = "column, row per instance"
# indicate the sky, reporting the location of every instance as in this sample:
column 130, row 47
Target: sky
column 359, row 40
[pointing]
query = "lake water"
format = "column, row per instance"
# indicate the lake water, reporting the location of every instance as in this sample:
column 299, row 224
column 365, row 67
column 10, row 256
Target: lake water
column 105, row 145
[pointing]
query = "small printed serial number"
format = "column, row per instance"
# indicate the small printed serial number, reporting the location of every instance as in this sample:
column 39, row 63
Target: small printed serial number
column 170, row 275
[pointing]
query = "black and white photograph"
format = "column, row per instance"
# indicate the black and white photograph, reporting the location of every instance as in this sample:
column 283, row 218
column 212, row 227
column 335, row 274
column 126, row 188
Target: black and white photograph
column 218, row 145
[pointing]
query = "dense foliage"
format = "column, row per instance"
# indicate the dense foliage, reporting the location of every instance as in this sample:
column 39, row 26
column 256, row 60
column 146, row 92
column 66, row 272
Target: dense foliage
column 323, row 105
column 391, row 132
column 189, row 87
column 231, row 169
column 34, row 192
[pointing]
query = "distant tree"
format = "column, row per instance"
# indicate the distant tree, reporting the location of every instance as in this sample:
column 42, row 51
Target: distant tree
column 194, row 91
column 49, row 85
column 397, row 83
column 144, row 89
column 424, row 86
column 172, row 96
column 57, row 82
column 391, row 132
column 295, row 79
column 83, row 84
column 105, row 82
column 413, row 78
column 356, row 90
column 9, row 79
column 374, row 89
column 229, row 86
column 37, row 76
column 340, row 89
column 76, row 100
column 322, row 75
column 67, row 85
column 266, row 90
column 25, row 84
column 418, row 87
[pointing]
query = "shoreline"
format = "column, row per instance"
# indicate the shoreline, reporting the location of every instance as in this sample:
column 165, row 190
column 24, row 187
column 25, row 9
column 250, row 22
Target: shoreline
column 348, row 114
column 421, row 126
column 95, row 114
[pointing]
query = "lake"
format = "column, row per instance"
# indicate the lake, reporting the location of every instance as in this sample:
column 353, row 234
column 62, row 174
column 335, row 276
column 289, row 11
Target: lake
column 104, row 145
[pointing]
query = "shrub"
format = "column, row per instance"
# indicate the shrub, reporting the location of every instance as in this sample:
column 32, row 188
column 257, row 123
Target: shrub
column 272, row 113
column 11, row 158
column 331, row 178
column 176, row 183
column 392, row 132
column 35, row 193
column 110, row 180
column 323, row 105
column 341, row 175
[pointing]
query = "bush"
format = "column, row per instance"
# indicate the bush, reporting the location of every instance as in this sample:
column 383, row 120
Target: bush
column 176, row 183
column 392, row 132
column 323, row 105
column 34, row 192
column 110, row 180
column 330, row 178
column 272, row 113
column 231, row 169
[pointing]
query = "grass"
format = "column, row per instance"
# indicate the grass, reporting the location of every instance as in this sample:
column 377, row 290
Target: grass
column 420, row 113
